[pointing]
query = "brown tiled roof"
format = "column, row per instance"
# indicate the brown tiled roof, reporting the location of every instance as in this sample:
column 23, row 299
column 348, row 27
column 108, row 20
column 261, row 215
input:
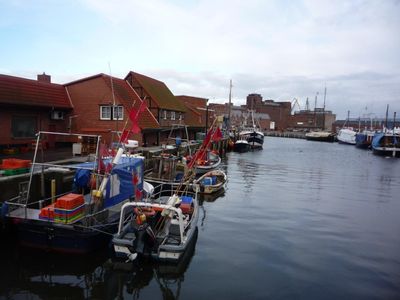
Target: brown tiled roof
column 27, row 92
column 193, row 116
column 159, row 92
column 128, row 98
column 194, row 101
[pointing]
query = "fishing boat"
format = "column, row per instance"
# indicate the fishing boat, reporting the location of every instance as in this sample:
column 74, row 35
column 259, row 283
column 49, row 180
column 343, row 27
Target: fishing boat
column 241, row 146
column 210, row 162
column 205, row 159
column 168, row 172
column 386, row 143
column 347, row 136
column 161, row 228
column 82, row 219
column 211, row 182
column 364, row 138
column 320, row 136
column 253, row 134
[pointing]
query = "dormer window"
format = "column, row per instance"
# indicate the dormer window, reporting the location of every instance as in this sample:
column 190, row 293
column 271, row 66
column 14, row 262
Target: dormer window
column 172, row 115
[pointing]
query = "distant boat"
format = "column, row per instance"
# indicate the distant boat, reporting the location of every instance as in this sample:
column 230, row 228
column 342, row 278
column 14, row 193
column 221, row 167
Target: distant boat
column 364, row 139
column 253, row 134
column 386, row 143
column 320, row 136
column 347, row 136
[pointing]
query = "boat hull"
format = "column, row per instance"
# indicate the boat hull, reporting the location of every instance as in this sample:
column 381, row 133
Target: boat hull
column 320, row 137
column 256, row 140
column 386, row 144
column 206, row 168
column 59, row 238
column 241, row 146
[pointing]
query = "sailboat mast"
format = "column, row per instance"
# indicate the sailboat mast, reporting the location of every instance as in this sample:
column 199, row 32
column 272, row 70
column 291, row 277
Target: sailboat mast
column 229, row 107
column 386, row 118
column 323, row 111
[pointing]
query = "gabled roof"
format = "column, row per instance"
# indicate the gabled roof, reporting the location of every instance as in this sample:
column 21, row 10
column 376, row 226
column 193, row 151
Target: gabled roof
column 125, row 95
column 28, row 92
column 158, row 91
column 194, row 114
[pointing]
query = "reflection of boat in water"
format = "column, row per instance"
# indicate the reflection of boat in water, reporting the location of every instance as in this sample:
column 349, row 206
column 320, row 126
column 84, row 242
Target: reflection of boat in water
column 44, row 275
column 211, row 197
column 79, row 221
column 125, row 280
column 161, row 228
column 211, row 182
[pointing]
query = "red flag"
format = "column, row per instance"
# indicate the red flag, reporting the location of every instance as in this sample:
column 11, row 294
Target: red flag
column 217, row 136
column 134, row 117
column 124, row 136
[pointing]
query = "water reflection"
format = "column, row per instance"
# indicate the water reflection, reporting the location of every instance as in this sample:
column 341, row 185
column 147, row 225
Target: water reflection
column 24, row 271
column 46, row 275
column 134, row 280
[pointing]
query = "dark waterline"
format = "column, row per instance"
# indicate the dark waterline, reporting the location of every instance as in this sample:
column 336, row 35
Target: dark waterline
column 298, row 220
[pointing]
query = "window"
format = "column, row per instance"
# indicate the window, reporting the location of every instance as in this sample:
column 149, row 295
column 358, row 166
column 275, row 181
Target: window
column 118, row 113
column 172, row 115
column 105, row 112
column 165, row 114
column 109, row 112
column 181, row 116
column 23, row 126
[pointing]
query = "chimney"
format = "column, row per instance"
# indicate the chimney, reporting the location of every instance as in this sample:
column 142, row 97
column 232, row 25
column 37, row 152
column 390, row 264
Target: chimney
column 44, row 78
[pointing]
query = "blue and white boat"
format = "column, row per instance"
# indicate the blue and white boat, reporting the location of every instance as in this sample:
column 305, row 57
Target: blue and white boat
column 386, row 143
column 37, row 221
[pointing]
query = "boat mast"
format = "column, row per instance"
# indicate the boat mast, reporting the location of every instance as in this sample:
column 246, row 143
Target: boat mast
column 386, row 118
column 323, row 112
column 315, row 111
column 229, row 107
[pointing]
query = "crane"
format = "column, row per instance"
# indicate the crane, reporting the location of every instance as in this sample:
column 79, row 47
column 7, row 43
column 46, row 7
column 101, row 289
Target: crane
column 294, row 102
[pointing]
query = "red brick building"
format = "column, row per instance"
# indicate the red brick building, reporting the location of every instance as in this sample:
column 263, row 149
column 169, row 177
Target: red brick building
column 28, row 106
column 164, row 106
column 307, row 120
column 197, row 116
column 279, row 112
column 101, row 106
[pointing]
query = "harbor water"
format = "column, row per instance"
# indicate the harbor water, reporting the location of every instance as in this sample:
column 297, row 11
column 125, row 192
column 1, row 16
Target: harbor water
column 298, row 220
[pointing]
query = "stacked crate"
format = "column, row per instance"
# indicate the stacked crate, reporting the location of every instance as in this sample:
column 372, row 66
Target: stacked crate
column 47, row 213
column 14, row 166
column 67, row 209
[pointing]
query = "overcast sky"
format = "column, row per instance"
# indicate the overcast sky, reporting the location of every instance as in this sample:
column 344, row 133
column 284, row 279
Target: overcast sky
column 281, row 49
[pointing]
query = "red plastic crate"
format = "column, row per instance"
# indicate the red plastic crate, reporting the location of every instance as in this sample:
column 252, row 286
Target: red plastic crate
column 15, row 163
column 47, row 212
column 69, row 201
